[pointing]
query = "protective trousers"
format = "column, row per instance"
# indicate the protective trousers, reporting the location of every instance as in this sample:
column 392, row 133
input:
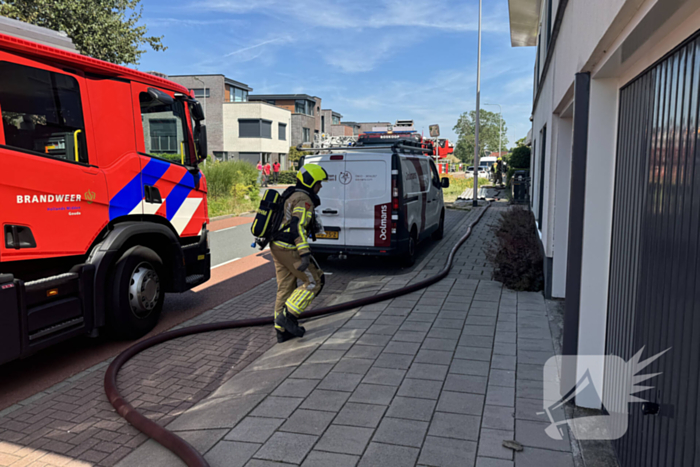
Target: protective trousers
column 296, row 299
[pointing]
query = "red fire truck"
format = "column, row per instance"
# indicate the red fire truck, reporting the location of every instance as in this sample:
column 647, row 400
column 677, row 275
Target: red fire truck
column 103, row 205
column 440, row 148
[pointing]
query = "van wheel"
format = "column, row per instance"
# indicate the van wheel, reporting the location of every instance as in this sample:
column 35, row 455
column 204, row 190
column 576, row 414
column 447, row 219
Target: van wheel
column 135, row 293
column 409, row 258
column 440, row 232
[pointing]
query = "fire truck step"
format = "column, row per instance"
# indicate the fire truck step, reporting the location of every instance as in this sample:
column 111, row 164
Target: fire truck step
column 194, row 279
column 55, row 328
column 51, row 288
column 53, row 313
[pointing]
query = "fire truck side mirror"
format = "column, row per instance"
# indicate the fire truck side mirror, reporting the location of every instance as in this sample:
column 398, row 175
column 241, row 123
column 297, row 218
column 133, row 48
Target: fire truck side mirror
column 201, row 140
column 197, row 111
column 160, row 96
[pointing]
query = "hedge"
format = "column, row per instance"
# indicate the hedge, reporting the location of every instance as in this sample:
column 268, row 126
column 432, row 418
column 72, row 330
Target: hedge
column 516, row 253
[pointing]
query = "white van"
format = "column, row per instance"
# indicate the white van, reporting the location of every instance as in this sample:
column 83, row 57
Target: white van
column 487, row 162
column 378, row 202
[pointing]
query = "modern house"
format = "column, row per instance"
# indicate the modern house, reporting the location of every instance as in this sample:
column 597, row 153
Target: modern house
column 305, row 110
column 614, row 173
column 361, row 127
column 238, row 128
column 328, row 119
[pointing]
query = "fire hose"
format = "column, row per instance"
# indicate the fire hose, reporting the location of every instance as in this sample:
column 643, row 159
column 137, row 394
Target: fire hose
column 179, row 446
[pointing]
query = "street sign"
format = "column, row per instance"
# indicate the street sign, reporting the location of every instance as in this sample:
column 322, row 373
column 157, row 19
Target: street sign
column 434, row 131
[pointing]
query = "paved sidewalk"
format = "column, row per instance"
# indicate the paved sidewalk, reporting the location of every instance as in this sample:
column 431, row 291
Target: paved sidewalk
column 72, row 423
column 440, row 377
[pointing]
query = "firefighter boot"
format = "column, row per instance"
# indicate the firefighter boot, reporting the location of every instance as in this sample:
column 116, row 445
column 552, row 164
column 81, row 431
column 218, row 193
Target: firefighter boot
column 290, row 323
column 283, row 336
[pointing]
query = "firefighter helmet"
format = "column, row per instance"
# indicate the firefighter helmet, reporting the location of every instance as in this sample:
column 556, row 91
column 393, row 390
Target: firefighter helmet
column 310, row 174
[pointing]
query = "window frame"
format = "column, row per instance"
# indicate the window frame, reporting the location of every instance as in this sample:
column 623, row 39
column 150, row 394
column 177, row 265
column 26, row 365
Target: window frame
column 186, row 160
column 282, row 131
column 306, row 131
column 260, row 122
column 79, row 79
column 201, row 96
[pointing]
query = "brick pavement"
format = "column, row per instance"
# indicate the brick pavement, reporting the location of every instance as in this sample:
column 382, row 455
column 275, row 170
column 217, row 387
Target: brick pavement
column 439, row 377
column 72, row 423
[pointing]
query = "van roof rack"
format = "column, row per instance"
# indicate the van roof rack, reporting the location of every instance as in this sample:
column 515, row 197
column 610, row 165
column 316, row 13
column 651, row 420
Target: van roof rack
column 393, row 147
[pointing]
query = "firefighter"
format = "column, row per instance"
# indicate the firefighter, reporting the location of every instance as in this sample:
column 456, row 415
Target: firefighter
column 499, row 171
column 292, row 256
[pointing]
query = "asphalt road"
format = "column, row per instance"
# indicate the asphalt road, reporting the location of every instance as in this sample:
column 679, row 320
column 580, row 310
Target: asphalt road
column 231, row 243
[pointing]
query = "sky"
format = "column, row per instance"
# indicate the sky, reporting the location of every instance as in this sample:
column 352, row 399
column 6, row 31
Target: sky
column 378, row 60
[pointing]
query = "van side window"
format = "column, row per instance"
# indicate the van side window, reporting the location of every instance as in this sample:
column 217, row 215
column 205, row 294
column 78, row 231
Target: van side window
column 436, row 176
column 42, row 112
column 164, row 129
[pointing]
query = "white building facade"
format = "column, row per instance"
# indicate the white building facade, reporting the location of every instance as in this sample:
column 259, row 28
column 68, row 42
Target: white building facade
column 614, row 157
column 257, row 131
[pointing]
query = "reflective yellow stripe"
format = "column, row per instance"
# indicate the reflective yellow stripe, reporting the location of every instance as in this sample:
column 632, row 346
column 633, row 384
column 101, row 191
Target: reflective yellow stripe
column 307, row 300
column 296, row 296
column 286, row 246
column 293, row 307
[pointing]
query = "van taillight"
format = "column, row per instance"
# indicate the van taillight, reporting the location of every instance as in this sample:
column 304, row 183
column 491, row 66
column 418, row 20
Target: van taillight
column 394, row 195
column 336, row 158
column 395, row 204
column 393, row 227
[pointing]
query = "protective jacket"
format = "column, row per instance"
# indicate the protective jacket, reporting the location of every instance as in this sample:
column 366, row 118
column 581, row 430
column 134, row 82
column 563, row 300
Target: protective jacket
column 298, row 221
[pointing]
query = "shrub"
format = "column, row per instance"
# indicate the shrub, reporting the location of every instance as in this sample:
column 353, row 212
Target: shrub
column 222, row 176
column 515, row 252
column 520, row 158
column 288, row 177
column 232, row 187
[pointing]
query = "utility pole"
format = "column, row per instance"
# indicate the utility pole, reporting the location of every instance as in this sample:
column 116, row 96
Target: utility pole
column 475, row 201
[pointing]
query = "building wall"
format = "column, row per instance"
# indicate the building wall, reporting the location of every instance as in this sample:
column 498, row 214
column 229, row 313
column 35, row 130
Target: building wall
column 367, row 126
column 341, row 130
column 286, row 104
column 233, row 111
column 300, row 121
column 213, row 106
column 614, row 41
column 326, row 122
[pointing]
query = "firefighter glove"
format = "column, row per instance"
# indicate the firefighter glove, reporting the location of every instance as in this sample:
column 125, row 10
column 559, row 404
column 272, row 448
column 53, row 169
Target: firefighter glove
column 305, row 260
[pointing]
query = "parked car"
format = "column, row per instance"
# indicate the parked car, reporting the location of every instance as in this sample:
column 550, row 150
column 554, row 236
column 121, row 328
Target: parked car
column 483, row 173
column 378, row 202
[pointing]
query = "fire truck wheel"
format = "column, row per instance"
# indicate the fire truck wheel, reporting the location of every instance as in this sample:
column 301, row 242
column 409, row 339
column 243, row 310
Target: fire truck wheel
column 440, row 232
column 136, row 296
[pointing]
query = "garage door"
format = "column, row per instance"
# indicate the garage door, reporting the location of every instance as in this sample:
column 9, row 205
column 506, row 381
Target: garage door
column 654, row 295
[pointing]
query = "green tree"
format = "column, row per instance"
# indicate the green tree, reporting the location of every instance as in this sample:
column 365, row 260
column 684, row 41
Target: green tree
column 103, row 29
column 520, row 157
column 489, row 127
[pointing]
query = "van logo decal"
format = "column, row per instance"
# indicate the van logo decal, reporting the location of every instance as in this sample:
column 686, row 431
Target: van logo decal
column 382, row 225
column 345, row 178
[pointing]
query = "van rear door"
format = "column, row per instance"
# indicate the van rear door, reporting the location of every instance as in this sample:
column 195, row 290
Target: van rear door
column 367, row 183
column 332, row 210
